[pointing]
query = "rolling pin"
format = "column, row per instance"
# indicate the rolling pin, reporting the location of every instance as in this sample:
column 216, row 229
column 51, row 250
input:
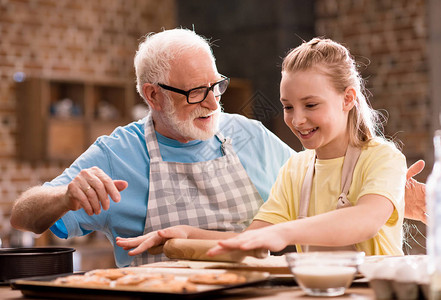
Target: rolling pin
column 193, row 249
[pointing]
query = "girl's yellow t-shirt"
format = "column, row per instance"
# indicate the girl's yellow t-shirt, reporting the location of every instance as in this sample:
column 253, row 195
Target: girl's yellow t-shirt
column 381, row 169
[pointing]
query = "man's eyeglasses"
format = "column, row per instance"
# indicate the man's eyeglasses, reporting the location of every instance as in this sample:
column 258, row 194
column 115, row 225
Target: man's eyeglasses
column 197, row 95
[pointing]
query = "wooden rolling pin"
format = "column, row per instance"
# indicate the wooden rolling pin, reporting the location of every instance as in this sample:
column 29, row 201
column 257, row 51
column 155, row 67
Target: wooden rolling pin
column 193, row 249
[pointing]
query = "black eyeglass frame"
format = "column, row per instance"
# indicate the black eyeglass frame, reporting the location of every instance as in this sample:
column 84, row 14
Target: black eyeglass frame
column 187, row 93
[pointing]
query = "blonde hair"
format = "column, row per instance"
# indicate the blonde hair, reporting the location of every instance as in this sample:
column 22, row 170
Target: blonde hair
column 335, row 61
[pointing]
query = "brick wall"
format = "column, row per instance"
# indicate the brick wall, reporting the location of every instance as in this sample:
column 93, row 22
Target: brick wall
column 392, row 38
column 62, row 38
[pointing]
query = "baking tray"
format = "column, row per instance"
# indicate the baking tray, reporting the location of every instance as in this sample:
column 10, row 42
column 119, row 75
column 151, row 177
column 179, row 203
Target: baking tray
column 43, row 287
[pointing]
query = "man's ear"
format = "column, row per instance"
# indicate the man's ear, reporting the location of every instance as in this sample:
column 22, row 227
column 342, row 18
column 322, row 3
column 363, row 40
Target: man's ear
column 152, row 95
column 350, row 97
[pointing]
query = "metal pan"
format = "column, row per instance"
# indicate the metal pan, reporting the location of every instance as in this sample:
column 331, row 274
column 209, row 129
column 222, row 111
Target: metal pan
column 38, row 261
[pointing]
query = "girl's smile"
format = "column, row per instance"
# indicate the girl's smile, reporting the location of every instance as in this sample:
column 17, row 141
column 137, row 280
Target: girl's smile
column 316, row 112
column 307, row 133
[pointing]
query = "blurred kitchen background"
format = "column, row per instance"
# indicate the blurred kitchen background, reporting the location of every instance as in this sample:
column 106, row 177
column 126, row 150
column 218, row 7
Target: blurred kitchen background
column 66, row 77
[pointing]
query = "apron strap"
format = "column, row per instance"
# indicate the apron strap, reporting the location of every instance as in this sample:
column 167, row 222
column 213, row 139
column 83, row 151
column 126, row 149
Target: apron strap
column 351, row 159
column 349, row 163
column 226, row 144
column 305, row 192
column 150, row 139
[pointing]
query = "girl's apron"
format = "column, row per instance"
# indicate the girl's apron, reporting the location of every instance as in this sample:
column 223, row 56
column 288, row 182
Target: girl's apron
column 350, row 160
column 215, row 194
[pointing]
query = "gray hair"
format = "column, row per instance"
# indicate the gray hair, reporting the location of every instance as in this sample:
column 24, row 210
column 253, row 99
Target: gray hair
column 152, row 60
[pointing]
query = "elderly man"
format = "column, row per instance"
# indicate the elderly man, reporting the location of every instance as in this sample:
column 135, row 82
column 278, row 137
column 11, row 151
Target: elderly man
column 185, row 163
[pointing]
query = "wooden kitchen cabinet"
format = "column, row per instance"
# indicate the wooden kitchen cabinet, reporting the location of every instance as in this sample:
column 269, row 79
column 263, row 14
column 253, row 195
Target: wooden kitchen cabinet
column 53, row 128
column 66, row 139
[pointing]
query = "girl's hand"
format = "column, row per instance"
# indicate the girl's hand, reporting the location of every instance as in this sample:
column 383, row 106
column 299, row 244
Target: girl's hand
column 152, row 241
column 270, row 238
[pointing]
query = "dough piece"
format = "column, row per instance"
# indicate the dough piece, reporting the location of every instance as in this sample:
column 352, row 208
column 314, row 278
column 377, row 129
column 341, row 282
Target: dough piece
column 221, row 279
column 111, row 274
column 69, row 279
column 171, row 286
column 82, row 280
column 135, row 279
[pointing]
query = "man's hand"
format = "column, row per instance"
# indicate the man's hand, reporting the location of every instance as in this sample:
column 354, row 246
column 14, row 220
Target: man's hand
column 152, row 241
column 91, row 189
column 40, row 207
column 415, row 195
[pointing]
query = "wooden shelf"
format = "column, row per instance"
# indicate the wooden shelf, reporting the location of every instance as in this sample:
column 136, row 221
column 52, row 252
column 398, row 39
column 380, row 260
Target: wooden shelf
column 49, row 131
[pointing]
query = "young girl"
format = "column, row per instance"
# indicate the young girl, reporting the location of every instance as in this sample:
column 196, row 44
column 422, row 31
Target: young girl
column 345, row 190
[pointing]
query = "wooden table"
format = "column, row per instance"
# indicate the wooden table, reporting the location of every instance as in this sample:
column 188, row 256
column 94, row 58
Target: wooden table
column 261, row 293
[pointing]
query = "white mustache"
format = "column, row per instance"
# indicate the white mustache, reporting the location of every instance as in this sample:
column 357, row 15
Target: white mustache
column 204, row 112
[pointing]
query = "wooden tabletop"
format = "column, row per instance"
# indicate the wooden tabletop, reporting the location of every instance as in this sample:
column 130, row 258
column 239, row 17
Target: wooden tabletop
column 261, row 293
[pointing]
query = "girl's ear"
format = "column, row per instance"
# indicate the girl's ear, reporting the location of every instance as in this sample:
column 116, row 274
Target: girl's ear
column 152, row 95
column 350, row 97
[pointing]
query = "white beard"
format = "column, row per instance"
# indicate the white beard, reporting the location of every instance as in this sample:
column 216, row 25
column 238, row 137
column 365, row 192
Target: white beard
column 186, row 128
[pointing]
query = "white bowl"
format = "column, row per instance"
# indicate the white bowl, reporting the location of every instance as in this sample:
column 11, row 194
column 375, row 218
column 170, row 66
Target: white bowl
column 324, row 273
